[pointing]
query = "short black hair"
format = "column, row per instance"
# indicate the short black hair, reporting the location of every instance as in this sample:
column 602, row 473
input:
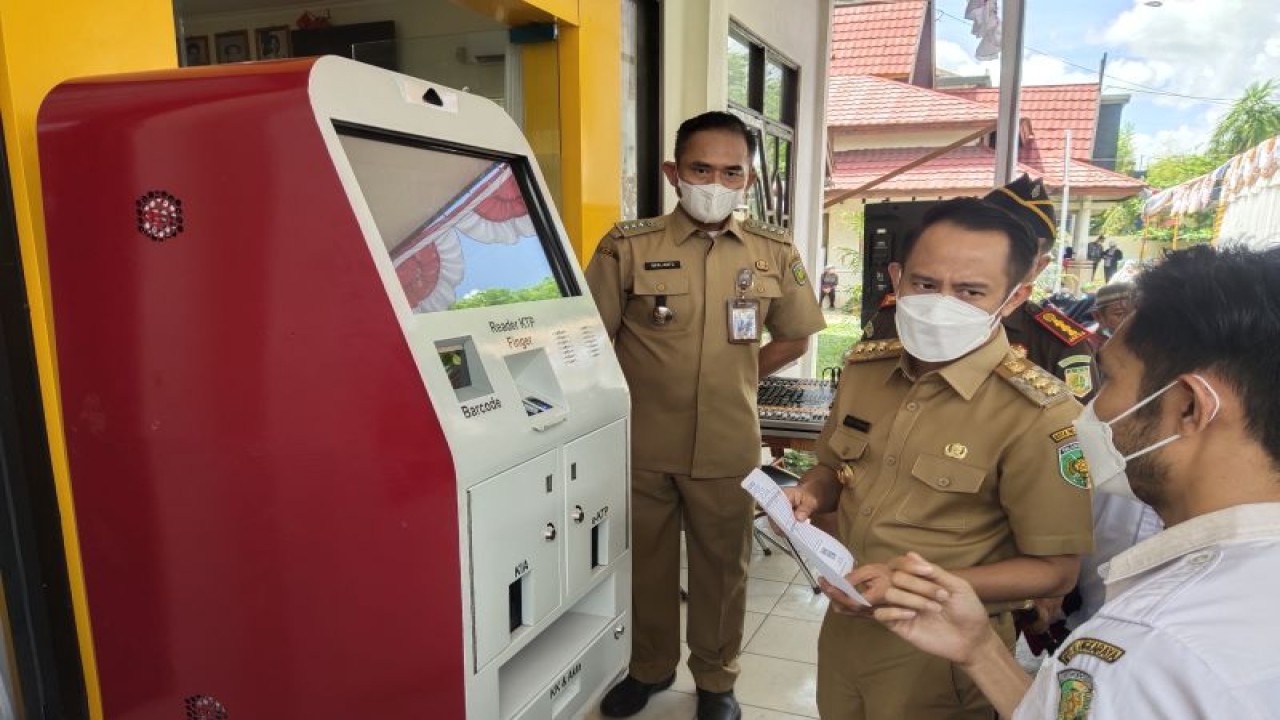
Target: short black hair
column 714, row 120
column 972, row 213
column 1208, row 310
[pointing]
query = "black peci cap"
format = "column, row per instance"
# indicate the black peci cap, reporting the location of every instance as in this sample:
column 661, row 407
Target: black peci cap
column 1027, row 200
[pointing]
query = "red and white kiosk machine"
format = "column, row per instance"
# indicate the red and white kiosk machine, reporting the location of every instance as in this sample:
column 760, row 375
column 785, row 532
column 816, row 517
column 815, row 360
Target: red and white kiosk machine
column 346, row 435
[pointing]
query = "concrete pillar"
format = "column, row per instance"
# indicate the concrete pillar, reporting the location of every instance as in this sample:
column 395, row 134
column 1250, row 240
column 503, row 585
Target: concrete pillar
column 1083, row 217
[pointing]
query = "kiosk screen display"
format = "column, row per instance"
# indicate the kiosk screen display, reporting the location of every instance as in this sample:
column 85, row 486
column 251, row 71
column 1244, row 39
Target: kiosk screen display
column 462, row 226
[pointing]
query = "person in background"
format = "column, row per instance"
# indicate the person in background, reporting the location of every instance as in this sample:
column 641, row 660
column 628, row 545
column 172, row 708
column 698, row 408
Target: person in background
column 945, row 439
column 827, row 286
column 1093, row 253
column 1110, row 307
column 1188, row 421
column 684, row 298
column 1111, row 258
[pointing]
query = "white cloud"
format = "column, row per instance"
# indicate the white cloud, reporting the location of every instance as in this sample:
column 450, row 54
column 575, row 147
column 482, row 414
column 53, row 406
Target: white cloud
column 1037, row 69
column 1182, row 140
column 954, row 58
column 1196, row 47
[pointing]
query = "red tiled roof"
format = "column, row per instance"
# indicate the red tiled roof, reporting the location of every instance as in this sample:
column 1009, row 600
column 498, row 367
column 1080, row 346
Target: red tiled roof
column 864, row 101
column 967, row 170
column 1052, row 109
column 879, row 39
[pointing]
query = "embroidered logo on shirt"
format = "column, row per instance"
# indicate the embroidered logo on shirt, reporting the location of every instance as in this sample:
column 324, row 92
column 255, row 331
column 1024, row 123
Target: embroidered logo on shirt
column 956, row 450
column 1065, row 433
column 1076, row 373
column 1075, row 694
column 1100, row 649
column 1072, row 465
column 797, row 272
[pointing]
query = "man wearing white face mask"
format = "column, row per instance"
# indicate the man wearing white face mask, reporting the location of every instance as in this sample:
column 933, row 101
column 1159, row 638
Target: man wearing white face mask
column 685, row 297
column 1188, row 421
column 945, row 439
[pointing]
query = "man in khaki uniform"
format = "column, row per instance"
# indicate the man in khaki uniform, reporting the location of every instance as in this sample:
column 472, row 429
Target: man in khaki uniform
column 1041, row 333
column 685, row 297
column 947, row 443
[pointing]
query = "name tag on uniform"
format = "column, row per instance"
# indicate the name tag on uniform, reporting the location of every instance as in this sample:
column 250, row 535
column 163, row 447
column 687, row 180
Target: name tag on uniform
column 662, row 265
column 856, row 423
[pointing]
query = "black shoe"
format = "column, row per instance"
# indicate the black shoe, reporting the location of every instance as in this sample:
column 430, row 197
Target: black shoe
column 718, row 706
column 630, row 696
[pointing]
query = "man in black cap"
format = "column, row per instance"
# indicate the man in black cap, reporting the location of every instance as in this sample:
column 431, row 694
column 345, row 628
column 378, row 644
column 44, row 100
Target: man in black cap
column 1042, row 334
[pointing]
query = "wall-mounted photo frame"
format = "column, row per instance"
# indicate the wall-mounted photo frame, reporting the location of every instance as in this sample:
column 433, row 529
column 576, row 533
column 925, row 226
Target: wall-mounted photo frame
column 231, row 46
column 272, row 42
column 196, row 50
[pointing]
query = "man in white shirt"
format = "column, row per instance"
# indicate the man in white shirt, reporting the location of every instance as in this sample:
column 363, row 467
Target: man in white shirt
column 1188, row 421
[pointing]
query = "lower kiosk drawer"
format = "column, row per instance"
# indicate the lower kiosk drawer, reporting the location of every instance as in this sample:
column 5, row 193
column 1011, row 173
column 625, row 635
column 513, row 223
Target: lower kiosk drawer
column 582, row 679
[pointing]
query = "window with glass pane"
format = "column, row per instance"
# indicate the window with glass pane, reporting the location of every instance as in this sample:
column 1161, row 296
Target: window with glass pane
column 739, row 60
column 762, row 91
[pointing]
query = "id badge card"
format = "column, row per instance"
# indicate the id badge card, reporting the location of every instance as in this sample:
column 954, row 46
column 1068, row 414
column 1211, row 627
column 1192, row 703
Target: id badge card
column 744, row 320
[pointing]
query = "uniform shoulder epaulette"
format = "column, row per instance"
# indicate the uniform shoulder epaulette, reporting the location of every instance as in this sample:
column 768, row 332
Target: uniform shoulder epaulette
column 764, row 229
column 1058, row 324
column 874, row 350
column 1035, row 384
column 631, row 228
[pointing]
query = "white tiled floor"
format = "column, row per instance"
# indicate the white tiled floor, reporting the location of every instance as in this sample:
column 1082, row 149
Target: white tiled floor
column 780, row 649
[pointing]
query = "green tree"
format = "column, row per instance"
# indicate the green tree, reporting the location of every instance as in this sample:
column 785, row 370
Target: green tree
column 1171, row 170
column 1124, row 149
column 1251, row 119
column 545, row 290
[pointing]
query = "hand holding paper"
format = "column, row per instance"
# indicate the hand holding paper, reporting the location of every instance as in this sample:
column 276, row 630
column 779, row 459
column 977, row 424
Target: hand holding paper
column 825, row 554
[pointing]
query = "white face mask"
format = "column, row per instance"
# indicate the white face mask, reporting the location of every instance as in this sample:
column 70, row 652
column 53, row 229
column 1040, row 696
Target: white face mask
column 1106, row 463
column 710, row 203
column 939, row 328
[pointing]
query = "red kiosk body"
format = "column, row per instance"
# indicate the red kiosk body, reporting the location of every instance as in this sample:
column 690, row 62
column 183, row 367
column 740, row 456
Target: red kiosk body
column 271, row 508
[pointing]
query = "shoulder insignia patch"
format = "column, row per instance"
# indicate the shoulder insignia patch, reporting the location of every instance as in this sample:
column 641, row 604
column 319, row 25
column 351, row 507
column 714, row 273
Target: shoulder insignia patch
column 764, row 229
column 1078, row 374
column 606, row 248
column 1075, row 694
column 797, row 272
column 1037, row 385
column 874, row 350
column 631, row 228
column 889, row 300
column 1060, row 326
column 1073, row 467
column 1104, row 651
column 1064, row 434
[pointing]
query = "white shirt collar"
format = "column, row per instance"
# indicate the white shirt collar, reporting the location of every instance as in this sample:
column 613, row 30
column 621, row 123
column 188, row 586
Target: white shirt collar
column 1256, row 521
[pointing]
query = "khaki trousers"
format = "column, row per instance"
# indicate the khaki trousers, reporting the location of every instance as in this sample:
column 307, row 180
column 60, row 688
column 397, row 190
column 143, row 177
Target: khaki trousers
column 716, row 515
column 865, row 672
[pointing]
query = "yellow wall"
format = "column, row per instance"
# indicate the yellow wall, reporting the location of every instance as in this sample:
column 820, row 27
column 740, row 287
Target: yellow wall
column 43, row 42
column 589, row 126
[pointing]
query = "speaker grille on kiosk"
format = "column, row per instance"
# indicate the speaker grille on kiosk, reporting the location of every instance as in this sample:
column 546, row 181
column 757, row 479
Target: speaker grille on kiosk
column 159, row 215
column 204, row 707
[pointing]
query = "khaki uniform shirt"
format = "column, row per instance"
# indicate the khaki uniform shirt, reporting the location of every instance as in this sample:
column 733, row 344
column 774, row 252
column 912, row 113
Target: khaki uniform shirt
column 1043, row 334
column 974, row 463
column 693, row 393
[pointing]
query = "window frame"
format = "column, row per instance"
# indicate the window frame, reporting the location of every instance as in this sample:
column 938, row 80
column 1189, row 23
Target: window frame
column 771, row 197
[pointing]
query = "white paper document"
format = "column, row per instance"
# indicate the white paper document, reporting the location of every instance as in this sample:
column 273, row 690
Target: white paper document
column 825, row 554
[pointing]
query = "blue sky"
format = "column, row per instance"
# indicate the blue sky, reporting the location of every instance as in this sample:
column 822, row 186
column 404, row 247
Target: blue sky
column 1180, row 63
column 495, row 265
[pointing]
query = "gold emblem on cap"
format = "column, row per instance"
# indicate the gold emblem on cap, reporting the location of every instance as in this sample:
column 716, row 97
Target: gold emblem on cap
column 762, row 265
column 956, row 450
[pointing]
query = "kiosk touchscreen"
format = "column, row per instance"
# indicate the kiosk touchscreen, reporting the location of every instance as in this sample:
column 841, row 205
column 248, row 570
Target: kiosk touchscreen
column 346, row 437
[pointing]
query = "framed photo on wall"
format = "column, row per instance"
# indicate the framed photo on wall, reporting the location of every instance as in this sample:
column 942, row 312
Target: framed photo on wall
column 272, row 42
column 196, row 50
column 232, row 46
